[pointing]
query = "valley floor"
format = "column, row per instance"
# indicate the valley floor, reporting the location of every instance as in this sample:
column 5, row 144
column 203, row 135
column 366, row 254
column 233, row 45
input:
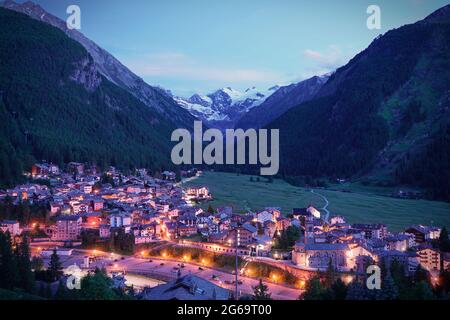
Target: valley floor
column 238, row 191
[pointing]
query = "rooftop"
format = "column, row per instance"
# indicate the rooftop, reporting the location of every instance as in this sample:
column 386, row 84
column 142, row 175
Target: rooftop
column 188, row 287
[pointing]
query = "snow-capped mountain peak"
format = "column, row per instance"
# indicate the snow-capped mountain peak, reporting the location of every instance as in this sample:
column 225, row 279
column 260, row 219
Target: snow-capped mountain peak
column 225, row 106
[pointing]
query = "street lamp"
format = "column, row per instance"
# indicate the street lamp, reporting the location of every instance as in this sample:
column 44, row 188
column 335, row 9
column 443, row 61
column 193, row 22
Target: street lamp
column 302, row 284
column 274, row 277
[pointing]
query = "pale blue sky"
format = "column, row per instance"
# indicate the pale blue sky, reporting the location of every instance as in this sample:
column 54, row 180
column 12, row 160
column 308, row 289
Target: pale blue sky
column 192, row 46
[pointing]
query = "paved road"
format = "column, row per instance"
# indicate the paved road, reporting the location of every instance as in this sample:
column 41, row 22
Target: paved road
column 165, row 270
column 326, row 204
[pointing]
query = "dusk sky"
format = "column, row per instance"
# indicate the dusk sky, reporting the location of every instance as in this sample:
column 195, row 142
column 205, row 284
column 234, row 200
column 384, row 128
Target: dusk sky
column 192, row 46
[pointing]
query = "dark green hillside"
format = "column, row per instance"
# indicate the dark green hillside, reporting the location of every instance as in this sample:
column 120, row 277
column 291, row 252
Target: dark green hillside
column 55, row 106
column 379, row 114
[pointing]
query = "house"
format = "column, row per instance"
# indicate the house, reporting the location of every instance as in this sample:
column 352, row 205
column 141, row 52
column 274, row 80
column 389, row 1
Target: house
column 75, row 168
column 197, row 193
column 401, row 258
column 86, row 188
column 120, row 220
column 67, row 228
column 186, row 230
column 169, row 175
column 97, row 204
column 423, row 233
column 104, row 231
column 283, row 224
column 276, row 212
column 245, row 234
column 188, row 218
column 302, row 213
column 43, row 169
column 429, row 258
column 264, row 216
column 446, row 262
column 55, row 207
column 188, row 287
column 372, row 231
column 92, row 219
column 337, row 220
column 399, row 242
column 12, row 226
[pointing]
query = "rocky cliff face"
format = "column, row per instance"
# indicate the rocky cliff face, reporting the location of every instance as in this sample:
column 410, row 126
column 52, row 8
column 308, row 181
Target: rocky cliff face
column 85, row 73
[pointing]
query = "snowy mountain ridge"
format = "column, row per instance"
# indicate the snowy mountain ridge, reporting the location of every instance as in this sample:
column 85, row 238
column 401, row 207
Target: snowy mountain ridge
column 224, row 107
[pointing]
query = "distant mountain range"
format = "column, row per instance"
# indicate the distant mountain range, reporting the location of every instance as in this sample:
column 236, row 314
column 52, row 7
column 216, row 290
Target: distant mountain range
column 253, row 108
column 224, row 107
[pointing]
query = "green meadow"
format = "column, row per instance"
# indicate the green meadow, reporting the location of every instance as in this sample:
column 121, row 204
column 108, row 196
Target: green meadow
column 238, row 191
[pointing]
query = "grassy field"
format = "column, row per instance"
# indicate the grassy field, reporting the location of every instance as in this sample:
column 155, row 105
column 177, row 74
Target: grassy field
column 242, row 194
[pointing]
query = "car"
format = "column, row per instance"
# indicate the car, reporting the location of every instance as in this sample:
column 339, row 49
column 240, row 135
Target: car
column 161, row 264
column 215, row 278
column 150, row 260
column 123, row 258
column 175, row 268
column 200, row 269
column 115, row 260
column 182, row 265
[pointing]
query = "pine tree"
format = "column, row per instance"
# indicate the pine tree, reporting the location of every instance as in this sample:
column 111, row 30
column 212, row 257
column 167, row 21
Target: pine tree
column 24, row 264
column 357, row 291
column 389, row 290
column 261, row 292
column 339, row 290
column 422, row 291
column 63, row 293
column 315, row 290
column 330, row 274
column 9, row 276
column 97, row 286
column 37, row 264
column 54, row 267
column 421, row 275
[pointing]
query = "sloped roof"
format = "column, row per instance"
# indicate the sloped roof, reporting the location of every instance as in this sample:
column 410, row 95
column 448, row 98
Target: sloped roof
column 188, row 287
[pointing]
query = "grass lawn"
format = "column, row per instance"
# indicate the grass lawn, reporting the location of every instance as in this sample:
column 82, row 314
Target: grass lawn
column 242, row 194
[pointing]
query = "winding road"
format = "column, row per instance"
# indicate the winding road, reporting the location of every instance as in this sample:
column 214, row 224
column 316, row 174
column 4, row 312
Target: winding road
column 327, row 203
column 149, row 272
